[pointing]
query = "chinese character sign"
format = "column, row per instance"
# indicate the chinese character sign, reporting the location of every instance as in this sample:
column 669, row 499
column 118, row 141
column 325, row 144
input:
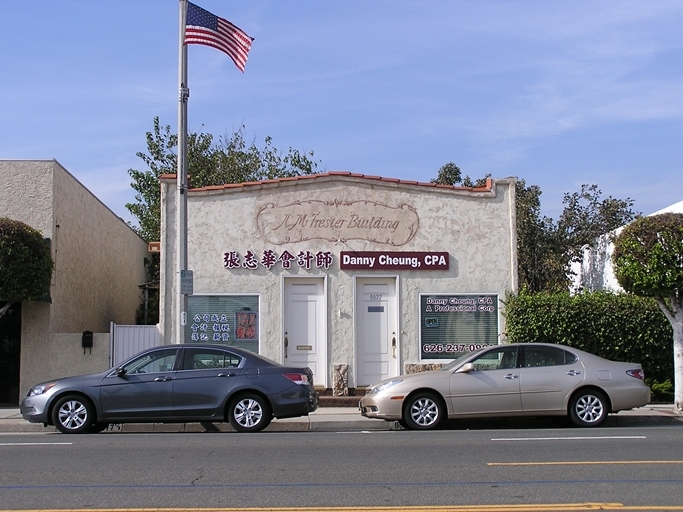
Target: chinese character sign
column 247, row 325
column 225, row 319
column 210, row 328
column 270, row 260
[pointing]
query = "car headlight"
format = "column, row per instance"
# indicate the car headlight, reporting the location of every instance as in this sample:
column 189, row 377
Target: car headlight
column 384, row 385
column 40, row 389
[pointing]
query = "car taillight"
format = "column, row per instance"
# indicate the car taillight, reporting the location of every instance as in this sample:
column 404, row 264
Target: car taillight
column 638, row 374
column 297, row 378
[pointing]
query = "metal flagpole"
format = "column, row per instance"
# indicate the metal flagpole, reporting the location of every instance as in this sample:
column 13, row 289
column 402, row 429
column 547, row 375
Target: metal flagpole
column 181, row 196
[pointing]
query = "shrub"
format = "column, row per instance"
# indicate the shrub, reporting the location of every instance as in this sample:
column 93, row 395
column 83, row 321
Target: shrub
column 620, row 327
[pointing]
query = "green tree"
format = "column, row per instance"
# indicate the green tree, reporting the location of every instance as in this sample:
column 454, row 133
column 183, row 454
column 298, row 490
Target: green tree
column 231, row 159
column 648, row 261
column 586, row 216
column 450, row 174
column 539, row 262
column 545, row 248
column 25, row 263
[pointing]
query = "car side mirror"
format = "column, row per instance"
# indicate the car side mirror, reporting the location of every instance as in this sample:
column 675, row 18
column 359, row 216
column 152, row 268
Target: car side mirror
column 120, row 371
column 465, row 368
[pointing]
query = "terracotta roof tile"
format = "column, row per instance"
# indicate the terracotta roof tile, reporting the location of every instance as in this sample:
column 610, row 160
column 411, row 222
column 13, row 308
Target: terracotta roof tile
column 483, row 188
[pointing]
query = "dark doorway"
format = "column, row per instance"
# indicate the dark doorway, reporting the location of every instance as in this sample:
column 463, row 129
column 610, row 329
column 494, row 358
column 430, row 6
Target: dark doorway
column 10, row 349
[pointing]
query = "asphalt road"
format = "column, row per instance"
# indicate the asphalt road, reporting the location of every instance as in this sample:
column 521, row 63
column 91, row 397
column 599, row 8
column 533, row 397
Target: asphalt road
column 639, row 466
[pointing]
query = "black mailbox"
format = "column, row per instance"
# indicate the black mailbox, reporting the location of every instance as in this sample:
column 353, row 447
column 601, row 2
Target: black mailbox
column 86, row 341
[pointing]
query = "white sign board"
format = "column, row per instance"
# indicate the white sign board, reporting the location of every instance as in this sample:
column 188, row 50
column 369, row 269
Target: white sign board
column 186, row 282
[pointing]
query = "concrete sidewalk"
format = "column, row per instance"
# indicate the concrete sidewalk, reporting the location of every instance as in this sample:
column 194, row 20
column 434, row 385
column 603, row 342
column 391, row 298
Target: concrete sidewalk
column 332, row 419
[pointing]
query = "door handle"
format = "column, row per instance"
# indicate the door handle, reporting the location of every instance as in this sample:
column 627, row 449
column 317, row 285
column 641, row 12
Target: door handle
column 511, row 376
column 228, row 374
column 393, row 345
column 162, row 379
column 573, row 373
column 286, row 345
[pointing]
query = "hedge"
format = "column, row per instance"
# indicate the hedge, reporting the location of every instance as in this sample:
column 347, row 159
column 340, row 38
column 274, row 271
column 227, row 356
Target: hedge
column 620, row 327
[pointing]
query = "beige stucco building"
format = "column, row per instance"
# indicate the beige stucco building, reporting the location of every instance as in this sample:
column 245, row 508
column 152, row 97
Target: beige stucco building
column 99, row 263
column 358, row 277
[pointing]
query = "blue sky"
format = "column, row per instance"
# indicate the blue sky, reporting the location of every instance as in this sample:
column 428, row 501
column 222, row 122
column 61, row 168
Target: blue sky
column 556, row 93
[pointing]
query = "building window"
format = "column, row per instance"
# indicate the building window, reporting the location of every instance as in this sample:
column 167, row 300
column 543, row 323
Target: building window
column 225, row 319
column 453, row 324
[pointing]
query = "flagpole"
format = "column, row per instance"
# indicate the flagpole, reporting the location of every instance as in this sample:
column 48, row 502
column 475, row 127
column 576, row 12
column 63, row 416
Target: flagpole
column 181, row 196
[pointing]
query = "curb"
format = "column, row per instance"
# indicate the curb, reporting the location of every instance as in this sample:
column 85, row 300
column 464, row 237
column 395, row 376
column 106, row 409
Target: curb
column 348, row 419
column 275, row 426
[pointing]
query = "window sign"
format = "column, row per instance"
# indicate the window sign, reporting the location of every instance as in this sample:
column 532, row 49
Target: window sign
column 453, row 324
column 246, row 325
column 223, row 319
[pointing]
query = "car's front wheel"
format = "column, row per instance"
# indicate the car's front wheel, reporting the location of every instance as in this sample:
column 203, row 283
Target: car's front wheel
column 423, row 411
column 249, row 413
column 588, row 408
column 73, row 414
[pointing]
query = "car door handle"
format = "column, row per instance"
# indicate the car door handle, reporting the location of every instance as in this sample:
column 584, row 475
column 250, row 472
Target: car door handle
column 163, row 379
column 511, row 376
column 573, row 373
column 228, row 374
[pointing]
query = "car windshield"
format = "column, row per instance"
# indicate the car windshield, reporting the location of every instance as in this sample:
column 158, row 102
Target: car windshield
column 457, row 362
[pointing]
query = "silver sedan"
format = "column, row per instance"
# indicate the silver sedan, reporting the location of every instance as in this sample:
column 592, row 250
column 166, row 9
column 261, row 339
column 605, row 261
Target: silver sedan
column 526, row 379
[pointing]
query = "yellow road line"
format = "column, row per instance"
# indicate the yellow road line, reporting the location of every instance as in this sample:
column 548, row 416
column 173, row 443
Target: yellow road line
column 584, row 463
column 549, row 507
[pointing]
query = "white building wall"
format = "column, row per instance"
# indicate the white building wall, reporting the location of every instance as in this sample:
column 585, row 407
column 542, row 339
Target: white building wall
column 477, row 228
column 595, row 271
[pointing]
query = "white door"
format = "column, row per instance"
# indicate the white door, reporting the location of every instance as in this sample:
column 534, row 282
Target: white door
column 304, row 326
column 376, row 330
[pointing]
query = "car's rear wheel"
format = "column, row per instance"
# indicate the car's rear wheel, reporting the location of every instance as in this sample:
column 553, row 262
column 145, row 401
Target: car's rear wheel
column 249, row 413
column 73, row 414
column 588, row 408
column 423, row 411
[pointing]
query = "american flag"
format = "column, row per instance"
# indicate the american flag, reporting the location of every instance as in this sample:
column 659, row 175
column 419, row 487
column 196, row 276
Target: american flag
column 202, row 27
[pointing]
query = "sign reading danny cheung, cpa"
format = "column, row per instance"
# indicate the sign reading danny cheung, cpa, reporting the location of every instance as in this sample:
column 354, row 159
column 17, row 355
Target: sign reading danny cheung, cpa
column 388, row 260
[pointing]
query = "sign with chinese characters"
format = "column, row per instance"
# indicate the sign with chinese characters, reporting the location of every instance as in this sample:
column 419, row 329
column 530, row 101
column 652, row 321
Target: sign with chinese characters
column 210, row 327
column 269, row 259
column 216, row 327
column 225, row 319
column 453, row 324
column 367, row 260
column 246, row 325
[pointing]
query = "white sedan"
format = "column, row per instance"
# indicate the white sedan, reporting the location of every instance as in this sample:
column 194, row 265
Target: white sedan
column 526, row 379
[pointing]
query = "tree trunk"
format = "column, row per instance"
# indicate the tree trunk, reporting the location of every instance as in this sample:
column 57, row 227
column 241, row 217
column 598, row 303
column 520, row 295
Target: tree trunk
column 675, row 316
column 678, row 363
column 4, row 308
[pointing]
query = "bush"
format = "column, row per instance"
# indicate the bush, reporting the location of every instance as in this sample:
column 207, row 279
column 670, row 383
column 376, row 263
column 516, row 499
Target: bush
column 661, row 391
column 620, row 327
column 25, row 262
